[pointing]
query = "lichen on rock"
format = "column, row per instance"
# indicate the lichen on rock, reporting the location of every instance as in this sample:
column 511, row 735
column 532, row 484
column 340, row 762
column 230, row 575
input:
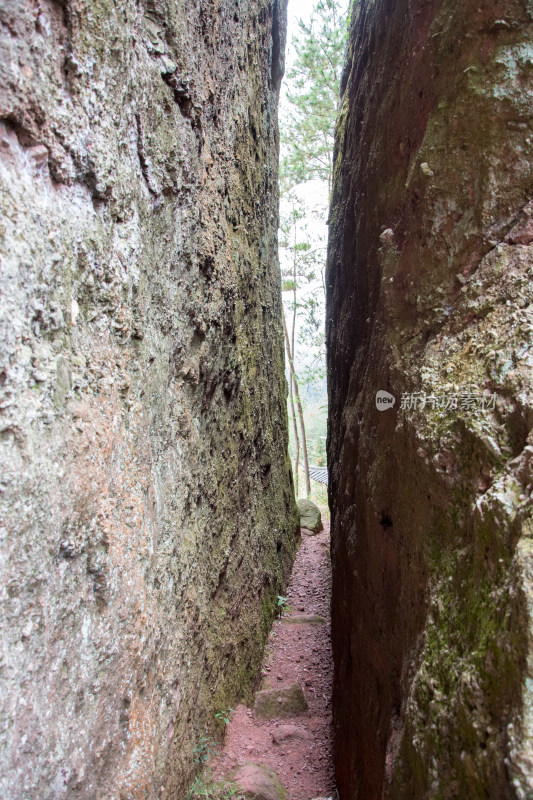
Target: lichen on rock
column 429, row 299
column 148, row 520
column 286, row 701
column 258, row 782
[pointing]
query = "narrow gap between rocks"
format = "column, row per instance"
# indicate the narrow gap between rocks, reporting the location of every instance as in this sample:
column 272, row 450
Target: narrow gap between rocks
column 289, row 729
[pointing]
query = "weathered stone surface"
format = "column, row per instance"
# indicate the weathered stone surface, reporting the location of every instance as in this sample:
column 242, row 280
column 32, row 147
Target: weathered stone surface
column 283, row 702
column 429, row 292
column 310, row 516
column 258, row 782
column 304, row 619
column 147, row 514
column 284, row 733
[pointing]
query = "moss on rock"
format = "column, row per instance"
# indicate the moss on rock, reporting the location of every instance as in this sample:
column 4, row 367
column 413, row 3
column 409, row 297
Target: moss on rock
column 429, row 298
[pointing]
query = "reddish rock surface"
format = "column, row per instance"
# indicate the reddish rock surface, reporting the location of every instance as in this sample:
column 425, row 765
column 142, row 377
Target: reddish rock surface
column 429, row 300
column 147, row 517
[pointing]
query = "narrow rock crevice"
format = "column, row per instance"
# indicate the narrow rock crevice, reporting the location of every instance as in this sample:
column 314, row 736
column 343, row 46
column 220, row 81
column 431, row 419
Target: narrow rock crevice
column 288, row 731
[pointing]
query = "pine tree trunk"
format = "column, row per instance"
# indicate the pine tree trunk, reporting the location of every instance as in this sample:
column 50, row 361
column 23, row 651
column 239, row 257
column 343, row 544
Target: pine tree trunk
column 290, row 355
column 296, row 437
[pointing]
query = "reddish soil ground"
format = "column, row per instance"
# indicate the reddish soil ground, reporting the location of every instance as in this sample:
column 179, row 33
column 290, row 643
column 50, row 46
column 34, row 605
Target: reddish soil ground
column 295, row 653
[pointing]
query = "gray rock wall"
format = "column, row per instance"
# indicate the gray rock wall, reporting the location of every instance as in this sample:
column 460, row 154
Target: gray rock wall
column 147, row 519
column 430, row 296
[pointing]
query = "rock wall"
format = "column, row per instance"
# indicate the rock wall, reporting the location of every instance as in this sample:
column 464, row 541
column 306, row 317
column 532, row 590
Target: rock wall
column 148, row 519
column 429, row 284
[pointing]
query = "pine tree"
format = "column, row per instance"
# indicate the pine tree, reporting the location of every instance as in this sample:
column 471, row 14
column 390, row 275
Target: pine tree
column 298, row 270
column 308, row 127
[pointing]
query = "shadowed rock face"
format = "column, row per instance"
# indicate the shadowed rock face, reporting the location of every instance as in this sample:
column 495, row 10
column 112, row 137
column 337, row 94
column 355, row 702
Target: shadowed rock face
column 148, row 519
column 429, row 293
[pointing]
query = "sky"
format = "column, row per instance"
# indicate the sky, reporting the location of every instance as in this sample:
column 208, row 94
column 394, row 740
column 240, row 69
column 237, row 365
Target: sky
column 297, row 9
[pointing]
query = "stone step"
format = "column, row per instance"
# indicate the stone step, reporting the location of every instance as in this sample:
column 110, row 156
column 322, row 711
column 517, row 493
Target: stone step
column 284, row 702
column 304, row 619
column 258, row 782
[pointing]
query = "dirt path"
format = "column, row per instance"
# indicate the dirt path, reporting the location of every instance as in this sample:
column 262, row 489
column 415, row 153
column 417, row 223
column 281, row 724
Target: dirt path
column 298, row 748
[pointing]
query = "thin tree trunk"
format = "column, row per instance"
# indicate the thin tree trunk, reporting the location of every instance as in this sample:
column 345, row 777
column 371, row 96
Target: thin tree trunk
column 299, row 408
column 290, row 356
column 294, row 285
column 296, row 437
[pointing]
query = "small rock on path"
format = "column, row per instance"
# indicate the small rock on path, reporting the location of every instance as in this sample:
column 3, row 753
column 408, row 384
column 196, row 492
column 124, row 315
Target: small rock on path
column 310, row 516
column 259, row 783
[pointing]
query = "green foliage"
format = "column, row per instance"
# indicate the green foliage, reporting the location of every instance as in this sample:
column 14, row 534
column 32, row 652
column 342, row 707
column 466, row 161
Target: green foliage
column 283, row 606
column 223, row 716
column 308, row 128
column 315, row 416
column 205, row 788
column 303, row 256
column 307, row 134
column 316, row 423
column 307, row 138
column 204, row 749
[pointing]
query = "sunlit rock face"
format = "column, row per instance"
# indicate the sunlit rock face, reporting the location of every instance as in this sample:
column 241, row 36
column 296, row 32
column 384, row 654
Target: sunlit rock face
column 148, row 521
column 429, row 301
